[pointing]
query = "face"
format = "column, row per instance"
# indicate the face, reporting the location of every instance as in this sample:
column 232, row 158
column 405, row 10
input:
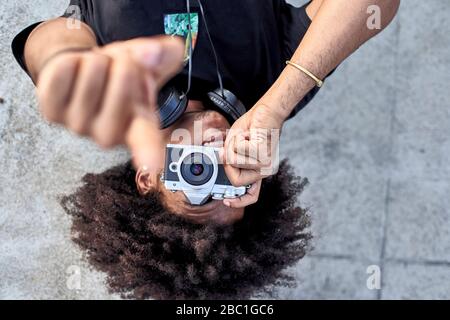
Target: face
column 196, row 127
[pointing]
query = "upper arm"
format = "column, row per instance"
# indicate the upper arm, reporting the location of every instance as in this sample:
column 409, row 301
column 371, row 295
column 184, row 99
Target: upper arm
column 51, row 37
column 74, row 17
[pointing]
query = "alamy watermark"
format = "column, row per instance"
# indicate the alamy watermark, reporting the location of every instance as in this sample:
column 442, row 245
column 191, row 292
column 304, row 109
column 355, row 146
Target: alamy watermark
column 74, row 17
column 373, row 282
column 374, row 20
column 73, row 280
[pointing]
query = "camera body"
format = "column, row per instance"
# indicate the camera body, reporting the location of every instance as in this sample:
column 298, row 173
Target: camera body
column 196, row 170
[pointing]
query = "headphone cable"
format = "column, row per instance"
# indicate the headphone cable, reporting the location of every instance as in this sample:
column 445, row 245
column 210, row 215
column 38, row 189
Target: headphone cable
column 219, row 76
column 188, row 4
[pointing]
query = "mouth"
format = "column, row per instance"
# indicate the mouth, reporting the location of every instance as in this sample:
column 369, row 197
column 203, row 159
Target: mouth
column 205, row 211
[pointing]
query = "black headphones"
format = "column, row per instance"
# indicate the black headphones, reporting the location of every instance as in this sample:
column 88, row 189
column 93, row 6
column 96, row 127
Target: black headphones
column 173, row 103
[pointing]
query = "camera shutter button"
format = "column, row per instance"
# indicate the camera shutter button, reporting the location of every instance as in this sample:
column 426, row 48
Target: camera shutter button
column 217, row 196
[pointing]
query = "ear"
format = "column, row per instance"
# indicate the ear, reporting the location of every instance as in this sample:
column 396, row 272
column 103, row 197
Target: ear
column 146, row 181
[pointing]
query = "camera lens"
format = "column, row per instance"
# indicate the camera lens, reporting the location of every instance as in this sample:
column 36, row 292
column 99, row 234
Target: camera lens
column 197, row 169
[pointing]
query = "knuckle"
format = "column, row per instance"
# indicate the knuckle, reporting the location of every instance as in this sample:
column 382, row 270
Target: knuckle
column 231, row 177
column 64, row 58
column 64, row 66
column 96, row 62
column 105, row 138
column 125, row 76
column 50, row 115
column 235, row 181
column 105, row 141
column 77, row 126
column 49, row 112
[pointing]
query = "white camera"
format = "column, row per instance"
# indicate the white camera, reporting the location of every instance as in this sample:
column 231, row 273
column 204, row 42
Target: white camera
column 196, row 171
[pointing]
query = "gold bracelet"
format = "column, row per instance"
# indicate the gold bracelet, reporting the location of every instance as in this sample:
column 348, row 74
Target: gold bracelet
column 319, row 83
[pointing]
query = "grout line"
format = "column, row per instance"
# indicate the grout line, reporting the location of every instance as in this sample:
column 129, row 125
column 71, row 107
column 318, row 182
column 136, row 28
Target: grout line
column 390, row 157
column 333, row 256
column 384, row 234
column 404, row 261
column 430, row 263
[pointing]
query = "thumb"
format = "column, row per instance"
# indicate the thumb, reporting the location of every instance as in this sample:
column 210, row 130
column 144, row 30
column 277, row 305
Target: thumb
column 144, row 140
column 162, row 56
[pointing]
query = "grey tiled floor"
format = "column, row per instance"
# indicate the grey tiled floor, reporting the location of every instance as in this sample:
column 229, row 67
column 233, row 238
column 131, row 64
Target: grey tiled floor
column 375, row 145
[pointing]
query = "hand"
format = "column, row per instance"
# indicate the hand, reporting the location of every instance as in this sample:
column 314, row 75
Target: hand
column 251, row 147
column 251, row 197
column 110, row 94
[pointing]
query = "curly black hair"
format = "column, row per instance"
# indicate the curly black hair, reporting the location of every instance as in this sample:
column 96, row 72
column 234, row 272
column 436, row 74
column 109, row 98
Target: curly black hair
column 148, row 252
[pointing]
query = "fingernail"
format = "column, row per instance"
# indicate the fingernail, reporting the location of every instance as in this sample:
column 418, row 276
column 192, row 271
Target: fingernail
column 227, row 203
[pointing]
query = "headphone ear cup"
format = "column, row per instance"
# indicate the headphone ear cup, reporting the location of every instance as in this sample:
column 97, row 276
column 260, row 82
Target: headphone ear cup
column 228, row 104
column 172, row 104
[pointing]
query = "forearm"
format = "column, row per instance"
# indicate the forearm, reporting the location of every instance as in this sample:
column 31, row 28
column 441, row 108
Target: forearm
column 52, row 37
column 338, row 29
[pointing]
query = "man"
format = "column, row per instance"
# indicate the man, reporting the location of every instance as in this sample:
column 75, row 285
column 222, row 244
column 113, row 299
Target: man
column 101, row 78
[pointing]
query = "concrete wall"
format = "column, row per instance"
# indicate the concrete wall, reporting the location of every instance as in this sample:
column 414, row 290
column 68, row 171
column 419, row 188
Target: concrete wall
column 375, row 145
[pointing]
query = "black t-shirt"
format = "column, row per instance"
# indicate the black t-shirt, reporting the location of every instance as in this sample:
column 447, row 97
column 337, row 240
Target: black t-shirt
column 253, row 38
